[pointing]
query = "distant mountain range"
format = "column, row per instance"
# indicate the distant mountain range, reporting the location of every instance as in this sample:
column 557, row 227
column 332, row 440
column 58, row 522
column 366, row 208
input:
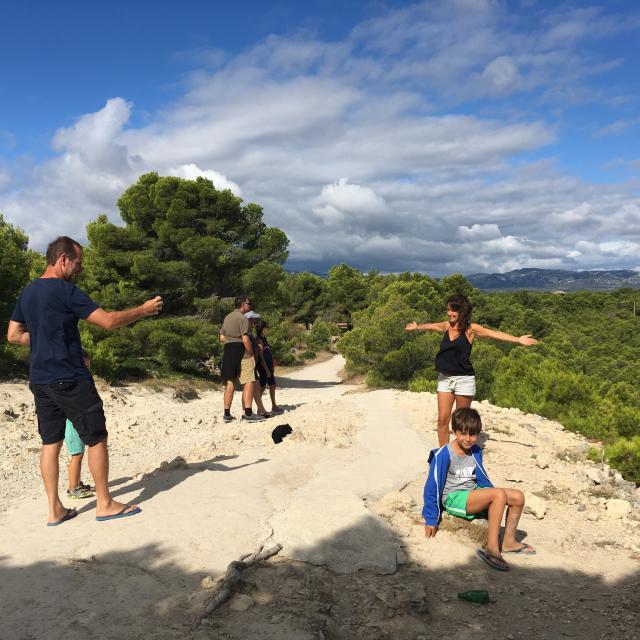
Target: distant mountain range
column 556, row 280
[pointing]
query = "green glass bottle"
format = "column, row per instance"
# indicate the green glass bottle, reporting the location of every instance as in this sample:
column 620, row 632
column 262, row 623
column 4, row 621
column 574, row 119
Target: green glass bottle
column 479, row 596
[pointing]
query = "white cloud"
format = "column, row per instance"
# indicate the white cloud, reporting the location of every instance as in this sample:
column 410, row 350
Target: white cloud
column 479, row 232
column 5, row 178
column 429, row 188
column 193, row 171
column 502, row 73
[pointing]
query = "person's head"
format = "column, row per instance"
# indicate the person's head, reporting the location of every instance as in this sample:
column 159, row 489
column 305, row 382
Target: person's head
column 459, row 311
column 466, row 426
column 261, row 327
column 65, row 254
column 243, row 303
column 253, row 318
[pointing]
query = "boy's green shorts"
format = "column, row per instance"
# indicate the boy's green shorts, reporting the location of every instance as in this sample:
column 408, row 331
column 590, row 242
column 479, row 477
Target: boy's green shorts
column 75, row 446
column 456, row 505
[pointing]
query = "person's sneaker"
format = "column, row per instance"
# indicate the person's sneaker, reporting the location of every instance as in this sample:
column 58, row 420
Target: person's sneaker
column 266, row 414
column 254, row 417
column 79, row 492
column 228, row 418
column 276, row 411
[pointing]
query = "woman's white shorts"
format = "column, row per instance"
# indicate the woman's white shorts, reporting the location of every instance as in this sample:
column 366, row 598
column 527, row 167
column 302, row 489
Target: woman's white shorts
column 459, row 385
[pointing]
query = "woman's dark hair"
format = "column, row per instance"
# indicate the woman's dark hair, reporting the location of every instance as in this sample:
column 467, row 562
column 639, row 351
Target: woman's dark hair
column 462, row 306
column 260, row 327
column 467, row 421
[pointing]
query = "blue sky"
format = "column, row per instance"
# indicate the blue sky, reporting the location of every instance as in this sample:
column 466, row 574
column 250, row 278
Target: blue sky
column 452, row 135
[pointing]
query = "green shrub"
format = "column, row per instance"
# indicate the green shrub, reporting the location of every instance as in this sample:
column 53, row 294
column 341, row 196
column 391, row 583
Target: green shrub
column 624, row 455
column 319, row 338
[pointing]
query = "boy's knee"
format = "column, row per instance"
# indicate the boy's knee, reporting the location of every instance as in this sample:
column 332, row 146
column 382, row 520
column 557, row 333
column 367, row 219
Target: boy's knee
column 517, row 498
column 500, row 495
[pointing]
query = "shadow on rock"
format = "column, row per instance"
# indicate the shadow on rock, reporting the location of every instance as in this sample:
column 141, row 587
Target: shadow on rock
column 167, row 476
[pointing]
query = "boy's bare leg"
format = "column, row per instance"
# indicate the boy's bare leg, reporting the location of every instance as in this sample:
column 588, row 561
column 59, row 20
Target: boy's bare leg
column 228, row 394
column 445, row 404
column 49, row 470
column 494, row 500
column 99, row 467
column 75, row 465
column 515, row 505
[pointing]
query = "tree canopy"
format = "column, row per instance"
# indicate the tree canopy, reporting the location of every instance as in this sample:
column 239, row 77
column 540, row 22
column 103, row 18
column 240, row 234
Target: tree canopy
column 183, row 240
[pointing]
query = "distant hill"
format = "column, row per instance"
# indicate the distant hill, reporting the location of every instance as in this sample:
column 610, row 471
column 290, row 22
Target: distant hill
column 556, row 280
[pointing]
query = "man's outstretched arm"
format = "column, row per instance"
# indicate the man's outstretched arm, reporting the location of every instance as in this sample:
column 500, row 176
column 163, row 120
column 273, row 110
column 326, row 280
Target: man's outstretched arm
column 115, row 319
column 17, row 333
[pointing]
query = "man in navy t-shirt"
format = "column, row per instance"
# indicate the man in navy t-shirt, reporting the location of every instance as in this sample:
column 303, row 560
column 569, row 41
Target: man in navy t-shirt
column 46, row 320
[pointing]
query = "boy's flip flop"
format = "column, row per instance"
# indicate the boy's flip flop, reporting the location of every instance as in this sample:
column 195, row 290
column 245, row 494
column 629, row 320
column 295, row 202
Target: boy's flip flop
column 123, row 513
column 494, row 562
column 524, row 550
column 69, row 514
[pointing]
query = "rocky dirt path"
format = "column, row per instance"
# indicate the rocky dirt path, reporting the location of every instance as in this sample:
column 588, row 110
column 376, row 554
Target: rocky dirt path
column 342, row 495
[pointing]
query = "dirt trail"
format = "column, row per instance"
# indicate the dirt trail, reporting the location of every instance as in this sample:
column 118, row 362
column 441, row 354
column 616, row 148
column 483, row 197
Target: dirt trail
column 342, row 495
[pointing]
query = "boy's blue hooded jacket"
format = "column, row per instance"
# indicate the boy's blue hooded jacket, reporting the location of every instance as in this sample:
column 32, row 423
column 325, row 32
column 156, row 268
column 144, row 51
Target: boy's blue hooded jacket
column 439, row 461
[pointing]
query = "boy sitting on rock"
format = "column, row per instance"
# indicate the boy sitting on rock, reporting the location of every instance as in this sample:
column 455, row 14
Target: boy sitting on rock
column 458, row 483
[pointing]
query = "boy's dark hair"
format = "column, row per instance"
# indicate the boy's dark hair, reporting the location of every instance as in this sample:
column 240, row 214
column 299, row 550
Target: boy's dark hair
column 467, row 421
column 463, row 307
column 240, row 300
column 62, row 245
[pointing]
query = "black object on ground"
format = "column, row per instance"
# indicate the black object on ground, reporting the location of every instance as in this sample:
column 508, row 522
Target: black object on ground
column 280, row 432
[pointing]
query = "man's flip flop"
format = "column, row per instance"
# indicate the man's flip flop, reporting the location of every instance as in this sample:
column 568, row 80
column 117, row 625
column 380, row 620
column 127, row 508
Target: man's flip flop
column 524, row 550
column 123, row 513
column 70, row 514
column 493, row 561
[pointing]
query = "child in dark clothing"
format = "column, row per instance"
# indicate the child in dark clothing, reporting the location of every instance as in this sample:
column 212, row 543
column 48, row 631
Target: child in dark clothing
column 266, row 373
column 458, row 483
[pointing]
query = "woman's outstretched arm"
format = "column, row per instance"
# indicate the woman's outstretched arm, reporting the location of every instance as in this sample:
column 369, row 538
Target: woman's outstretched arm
column 484, row 332
column 427, row 326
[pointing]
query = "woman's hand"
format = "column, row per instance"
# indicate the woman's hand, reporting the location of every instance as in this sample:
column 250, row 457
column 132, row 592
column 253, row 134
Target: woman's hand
column 412, row 326
column 430, row 532
column 527, row 340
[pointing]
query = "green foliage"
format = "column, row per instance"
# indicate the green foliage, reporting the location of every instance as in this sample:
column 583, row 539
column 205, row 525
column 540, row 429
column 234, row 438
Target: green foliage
column 624, row 455
column 17, row 264
column 346, row 291
column 182, row 240
column 303, row 296
column 285, row 338
column 319, row 338
column 581, row 372
column 160, row 346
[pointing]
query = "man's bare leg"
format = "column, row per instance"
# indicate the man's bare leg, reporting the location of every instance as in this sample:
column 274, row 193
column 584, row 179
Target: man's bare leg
column 99, row 467
column 50, row 470
column 228, row 394
column 247, row 396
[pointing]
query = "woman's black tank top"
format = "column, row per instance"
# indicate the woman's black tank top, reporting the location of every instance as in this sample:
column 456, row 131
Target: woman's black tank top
column 454, row 357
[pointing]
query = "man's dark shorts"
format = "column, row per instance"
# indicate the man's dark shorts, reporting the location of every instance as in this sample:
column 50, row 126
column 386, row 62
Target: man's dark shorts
column 79, row 401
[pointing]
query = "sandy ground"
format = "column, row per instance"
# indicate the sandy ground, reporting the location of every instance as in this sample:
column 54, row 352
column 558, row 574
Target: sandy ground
column 342, row 495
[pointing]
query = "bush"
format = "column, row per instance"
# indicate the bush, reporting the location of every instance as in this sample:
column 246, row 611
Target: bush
column 319, row 338
column 624, row 455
